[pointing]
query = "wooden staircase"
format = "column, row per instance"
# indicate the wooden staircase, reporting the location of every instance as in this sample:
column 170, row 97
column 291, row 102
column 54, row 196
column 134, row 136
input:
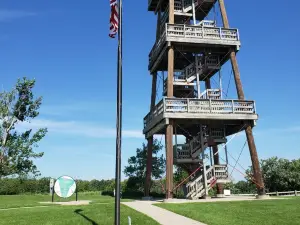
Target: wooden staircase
column 214, row 174
column 190, row 152
column 185, row 79
column 188, row 155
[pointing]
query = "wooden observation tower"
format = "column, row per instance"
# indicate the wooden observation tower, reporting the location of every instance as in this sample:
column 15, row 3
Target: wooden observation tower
column 192, row 50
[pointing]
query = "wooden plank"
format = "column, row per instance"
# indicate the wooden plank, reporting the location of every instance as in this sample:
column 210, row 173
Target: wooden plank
column 203, row 41
column 156, row 129
column 210, row 116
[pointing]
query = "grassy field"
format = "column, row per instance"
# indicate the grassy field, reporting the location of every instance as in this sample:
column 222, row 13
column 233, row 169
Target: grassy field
column 12, row 201
column 100, row 211
column 267, row 212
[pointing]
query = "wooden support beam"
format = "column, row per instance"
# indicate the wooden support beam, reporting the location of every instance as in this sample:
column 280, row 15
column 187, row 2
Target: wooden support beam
column 169, row 161
column 171, row 11
column 170, row 92
column 204, row 166
column 170, row 54
column 169, row 129
column 198, row 81
column 236, row 71
column 152, row 105
column 158, row 31
column 207, row 84
column 240, row 92
column 255, row 162
column 150, row 141
column 158, row 6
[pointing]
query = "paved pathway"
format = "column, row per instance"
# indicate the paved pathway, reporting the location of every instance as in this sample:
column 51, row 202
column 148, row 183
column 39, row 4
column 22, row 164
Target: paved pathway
column 162, row 216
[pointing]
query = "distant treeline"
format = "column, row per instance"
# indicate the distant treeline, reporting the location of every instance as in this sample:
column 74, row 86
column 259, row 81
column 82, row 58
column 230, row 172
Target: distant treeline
column 278, row 174
column 13, row 186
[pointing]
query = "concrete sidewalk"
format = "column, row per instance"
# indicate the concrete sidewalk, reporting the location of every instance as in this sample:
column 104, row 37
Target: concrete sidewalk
column 162, row 216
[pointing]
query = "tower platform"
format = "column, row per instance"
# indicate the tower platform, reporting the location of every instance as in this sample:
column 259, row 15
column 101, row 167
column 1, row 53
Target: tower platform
column 190, row 112
column 191, row 39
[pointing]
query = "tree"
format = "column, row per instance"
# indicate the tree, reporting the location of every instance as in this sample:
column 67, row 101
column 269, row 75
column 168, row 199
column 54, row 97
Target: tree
column 16, row 147
column 281, row 174
column 180, row 178
column 95, row 185
column 136, row 169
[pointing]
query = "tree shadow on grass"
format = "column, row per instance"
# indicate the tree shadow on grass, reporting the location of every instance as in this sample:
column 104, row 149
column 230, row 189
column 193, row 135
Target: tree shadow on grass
column 79, row 212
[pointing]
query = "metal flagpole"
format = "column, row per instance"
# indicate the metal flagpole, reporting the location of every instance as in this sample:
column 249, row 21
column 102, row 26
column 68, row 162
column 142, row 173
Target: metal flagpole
column 119, row 120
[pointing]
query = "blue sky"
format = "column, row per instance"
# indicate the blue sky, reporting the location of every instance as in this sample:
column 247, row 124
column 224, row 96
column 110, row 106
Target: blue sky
column 65, row 46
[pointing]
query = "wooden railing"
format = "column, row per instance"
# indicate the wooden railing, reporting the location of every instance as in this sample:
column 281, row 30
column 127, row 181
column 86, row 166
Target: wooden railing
column 195, row 144
column 175, row 105
column 211, row 94
column 284, row 193
column 221, row 171
column 207, row 23
column 193, row 148
column 276, row 193
column 200, row 106
column 190, row 31
column 158, row 109
column 157, row 47
column 182, row 151
column 217, row 133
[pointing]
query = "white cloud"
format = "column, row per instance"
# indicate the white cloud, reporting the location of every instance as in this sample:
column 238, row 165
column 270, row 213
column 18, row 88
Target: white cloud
column 8, row 15
column 79, row 128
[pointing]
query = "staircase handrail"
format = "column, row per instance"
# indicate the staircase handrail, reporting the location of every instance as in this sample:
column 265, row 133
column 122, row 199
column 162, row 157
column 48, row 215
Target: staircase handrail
column 192, row 183
column 205, row 94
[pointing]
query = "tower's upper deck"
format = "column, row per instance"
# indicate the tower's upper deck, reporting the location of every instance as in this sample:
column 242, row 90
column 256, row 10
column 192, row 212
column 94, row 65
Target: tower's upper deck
column 203, row 7
column 192, row 39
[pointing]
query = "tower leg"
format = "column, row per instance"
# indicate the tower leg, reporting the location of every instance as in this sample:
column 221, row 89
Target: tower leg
column 150, row 142
column 252, row 148
column 169, row 130
column 169, row 161
column 255, row 162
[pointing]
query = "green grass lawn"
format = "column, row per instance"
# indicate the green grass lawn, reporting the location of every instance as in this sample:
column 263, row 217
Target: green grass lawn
column 267, row 212
column 72, row 215
column 101, row 211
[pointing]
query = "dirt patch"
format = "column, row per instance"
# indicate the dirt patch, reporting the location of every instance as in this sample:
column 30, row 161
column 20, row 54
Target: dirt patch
column 82, row 202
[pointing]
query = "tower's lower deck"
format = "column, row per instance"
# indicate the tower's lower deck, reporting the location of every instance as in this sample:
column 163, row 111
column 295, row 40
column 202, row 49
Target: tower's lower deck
column 231, row 114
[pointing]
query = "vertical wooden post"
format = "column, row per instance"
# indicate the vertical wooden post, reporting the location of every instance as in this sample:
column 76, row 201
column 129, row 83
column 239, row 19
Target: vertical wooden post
column 239, row 88
column 150, row 141
column 169, row 129
column 255, row 162
column 211, row 157
column 197, row 73
column 220, row 84
column 194, row 12
column 169, row 160
column 207, row 83
column 158, row 31
column 152, row 105
column 203, row 163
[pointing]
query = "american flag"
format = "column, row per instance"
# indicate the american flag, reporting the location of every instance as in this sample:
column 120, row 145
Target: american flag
column 114, row 18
